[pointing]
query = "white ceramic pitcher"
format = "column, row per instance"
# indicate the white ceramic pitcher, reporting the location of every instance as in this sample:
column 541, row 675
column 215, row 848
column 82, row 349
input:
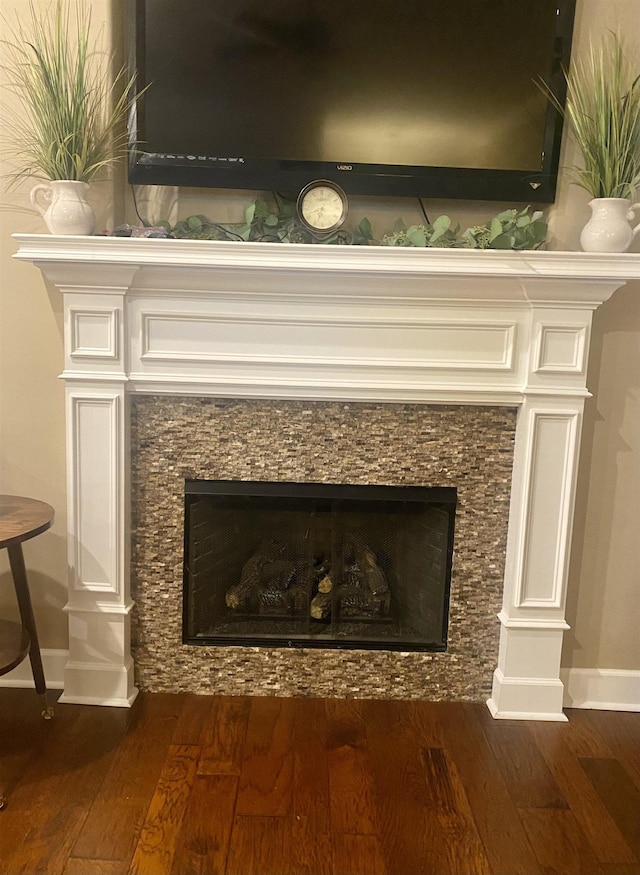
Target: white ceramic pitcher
column 608, row 229
column 63, row 204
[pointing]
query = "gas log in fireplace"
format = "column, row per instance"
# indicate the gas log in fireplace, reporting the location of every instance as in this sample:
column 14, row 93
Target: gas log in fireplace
column 317, row 565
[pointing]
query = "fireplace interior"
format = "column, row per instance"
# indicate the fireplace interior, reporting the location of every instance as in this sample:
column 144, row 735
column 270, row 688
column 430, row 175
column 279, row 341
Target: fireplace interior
column 317, row 565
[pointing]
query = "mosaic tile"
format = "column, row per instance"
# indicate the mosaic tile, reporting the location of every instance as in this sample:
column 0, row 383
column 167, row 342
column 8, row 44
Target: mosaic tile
column 178, row 438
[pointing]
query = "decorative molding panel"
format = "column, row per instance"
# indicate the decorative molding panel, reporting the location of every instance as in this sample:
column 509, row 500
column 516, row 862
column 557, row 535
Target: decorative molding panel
column 94, row 334
column 561, row 349
column 388, row 342
column 548, row 508
column 94, row 422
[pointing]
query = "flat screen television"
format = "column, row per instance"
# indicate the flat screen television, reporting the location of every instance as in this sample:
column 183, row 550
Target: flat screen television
column 421, row 98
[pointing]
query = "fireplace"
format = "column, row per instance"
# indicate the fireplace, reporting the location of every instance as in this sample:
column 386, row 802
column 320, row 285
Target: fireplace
column 387, row 448
column 317, row 565
column 321, row 324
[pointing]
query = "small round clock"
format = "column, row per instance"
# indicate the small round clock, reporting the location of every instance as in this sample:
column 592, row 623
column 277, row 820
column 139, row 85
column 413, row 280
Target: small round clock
column 322, row 207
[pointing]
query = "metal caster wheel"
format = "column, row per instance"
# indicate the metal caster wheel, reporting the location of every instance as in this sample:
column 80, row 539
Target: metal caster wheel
column 3, row 801
column 48, row 712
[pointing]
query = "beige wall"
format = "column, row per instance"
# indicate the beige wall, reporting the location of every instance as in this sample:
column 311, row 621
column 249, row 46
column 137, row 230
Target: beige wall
column 32, row 449
column 603, row 604
column 604, row 587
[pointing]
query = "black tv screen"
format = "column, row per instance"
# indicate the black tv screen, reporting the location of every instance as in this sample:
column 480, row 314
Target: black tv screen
column 423, row 98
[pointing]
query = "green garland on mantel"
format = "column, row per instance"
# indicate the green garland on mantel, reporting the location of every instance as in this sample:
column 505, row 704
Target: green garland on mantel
column 511, row 229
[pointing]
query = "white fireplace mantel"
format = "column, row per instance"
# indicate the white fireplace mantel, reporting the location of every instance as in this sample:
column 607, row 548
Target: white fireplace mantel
column 325, row 323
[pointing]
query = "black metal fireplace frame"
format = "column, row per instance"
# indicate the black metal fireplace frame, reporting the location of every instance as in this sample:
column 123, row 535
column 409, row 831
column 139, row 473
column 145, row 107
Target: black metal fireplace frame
column 364, row 497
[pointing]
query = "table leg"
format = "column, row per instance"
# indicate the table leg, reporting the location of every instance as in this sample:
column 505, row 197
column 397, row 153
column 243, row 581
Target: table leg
column 19, row 572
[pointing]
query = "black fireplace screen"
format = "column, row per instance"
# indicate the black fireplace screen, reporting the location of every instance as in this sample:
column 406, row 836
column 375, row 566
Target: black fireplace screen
column 317, row 565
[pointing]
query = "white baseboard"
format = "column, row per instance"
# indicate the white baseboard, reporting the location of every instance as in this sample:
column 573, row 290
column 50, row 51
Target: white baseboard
column 598, row 688
column 602, row 689
column 53, row 663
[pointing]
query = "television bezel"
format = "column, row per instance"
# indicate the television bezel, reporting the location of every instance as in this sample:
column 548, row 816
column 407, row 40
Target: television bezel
column 378, row 180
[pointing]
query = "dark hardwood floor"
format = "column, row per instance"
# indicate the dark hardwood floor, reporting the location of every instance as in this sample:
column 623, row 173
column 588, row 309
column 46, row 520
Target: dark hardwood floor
column 200, row 784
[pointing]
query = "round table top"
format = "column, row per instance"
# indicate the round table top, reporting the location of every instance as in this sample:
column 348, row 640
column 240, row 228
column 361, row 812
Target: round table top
column 23, row 518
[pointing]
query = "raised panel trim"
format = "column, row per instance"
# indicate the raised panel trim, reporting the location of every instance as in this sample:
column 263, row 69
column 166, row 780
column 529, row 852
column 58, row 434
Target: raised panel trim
column 94, row 486
column 540, row 457
column 108, row 351
column 576, row 358
column 503, row 360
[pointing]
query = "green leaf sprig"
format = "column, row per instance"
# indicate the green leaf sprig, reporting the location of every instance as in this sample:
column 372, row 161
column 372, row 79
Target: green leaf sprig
column 278, row 223
column 511, row 229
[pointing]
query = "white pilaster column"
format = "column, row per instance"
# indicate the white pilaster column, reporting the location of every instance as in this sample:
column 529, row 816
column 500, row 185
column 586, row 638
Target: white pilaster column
column 100, row 667
column 526, row 682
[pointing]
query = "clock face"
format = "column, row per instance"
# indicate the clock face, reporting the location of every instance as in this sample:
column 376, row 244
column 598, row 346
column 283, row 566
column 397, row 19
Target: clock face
column 322, row 206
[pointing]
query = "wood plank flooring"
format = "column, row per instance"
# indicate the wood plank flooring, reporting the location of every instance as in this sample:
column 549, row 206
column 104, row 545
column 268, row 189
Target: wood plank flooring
column 183, row 784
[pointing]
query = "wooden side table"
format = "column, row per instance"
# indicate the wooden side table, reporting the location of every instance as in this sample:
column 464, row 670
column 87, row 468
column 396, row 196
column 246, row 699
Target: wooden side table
column 22, row 519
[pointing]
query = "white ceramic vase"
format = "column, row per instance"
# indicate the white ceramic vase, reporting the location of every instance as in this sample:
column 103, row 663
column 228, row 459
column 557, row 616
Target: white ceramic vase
column 608, row 229
column 63, row 204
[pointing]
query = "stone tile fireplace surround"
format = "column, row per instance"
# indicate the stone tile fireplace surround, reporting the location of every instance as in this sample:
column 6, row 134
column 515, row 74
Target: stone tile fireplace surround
column 459, row 336
column 177, row 438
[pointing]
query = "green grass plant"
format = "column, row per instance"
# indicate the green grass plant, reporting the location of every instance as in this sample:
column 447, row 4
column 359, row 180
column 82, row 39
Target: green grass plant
column 603, row 110
column 67, row 118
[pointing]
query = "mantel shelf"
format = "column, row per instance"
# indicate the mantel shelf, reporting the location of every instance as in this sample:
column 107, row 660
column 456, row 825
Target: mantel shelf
column 543, row 264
